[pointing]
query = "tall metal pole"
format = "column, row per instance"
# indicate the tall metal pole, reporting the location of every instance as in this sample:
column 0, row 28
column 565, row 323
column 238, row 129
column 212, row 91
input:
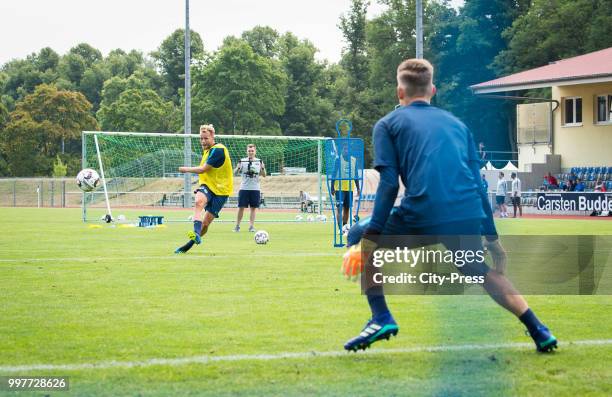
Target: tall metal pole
column 419, row 29
column 187, row 128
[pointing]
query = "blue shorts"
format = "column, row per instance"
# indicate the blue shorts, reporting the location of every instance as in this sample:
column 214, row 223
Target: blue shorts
column 500, row 199
column 455, row 236
column 344, row 198
column 215, row 203
column 249, row 198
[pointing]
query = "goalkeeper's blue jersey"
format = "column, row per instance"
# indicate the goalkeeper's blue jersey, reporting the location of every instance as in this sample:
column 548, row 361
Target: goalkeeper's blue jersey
column 432, row 151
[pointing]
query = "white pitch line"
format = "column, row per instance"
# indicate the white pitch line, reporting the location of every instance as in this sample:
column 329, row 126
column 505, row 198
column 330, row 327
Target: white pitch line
column 281, row 356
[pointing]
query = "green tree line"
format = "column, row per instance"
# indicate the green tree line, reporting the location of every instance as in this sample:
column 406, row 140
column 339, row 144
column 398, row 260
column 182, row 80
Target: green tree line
column 267, row 82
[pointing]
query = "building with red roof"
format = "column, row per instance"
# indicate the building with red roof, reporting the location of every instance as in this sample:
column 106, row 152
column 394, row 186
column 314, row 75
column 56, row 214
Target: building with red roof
column 574, row 129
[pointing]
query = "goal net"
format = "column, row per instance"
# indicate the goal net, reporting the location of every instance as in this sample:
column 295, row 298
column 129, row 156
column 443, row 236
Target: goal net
column 141, row 172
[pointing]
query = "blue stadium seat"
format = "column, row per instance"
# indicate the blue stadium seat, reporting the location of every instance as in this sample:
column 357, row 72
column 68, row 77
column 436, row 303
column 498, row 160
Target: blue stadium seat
column 574, row 170
column 609, row 170
column 590, row 170
column 592, row 176
column 597, row 170
column 582, row 170
column 609, row 186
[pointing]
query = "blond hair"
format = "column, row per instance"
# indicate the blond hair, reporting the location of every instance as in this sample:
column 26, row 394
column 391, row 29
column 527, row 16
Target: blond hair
column 207, row 127
column 415, row 76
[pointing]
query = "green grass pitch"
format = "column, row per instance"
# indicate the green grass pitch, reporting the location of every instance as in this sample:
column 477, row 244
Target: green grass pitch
column 74, row 295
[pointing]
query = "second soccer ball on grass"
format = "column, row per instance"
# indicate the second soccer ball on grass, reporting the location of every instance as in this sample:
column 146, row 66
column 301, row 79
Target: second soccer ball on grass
column 262, row 237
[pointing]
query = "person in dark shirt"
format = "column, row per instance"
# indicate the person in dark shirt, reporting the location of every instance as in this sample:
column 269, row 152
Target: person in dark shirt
column 427, row 147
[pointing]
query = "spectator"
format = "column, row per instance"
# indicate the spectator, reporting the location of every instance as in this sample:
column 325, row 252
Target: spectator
column 485, row 184
column 552, row 181
column 545, row 184
column 516, row 194
column 572, row 185
column 572, row 177
column 600, row 186
column 305, row 201
column 579, row 186
column 500, row 196
column 481, row 151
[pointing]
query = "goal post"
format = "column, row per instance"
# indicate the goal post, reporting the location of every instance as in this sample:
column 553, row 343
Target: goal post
column 141, row 170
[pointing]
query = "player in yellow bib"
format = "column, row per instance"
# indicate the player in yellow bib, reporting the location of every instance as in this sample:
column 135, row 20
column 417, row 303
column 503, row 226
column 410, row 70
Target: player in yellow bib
column 345, row 179
column 216, row 184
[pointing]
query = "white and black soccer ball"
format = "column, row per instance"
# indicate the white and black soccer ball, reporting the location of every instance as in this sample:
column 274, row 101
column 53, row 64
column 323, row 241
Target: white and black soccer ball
column 345, row 229
column 310, row 218
column 262, row 237
column 322, row 218
column 88, row 180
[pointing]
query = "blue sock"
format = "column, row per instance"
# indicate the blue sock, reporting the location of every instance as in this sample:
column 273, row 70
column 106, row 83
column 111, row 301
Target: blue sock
column 378, row 305
column 197, row 227
column 530, row 320
column 187, row 246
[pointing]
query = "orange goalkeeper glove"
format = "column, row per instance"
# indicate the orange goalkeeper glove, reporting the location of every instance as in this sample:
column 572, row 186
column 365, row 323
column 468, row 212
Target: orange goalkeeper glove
column 353, row 261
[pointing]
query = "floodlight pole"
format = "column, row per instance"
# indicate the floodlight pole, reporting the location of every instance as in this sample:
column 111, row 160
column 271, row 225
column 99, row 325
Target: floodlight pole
column 419, row 29
column 187, row 127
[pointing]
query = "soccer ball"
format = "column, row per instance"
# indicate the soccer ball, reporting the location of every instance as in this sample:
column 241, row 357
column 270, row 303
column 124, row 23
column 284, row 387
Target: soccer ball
column 310, row 218
column 299, row 218
column 88, row 180
column 322, row 218
column 262, row 237
column 345, row 229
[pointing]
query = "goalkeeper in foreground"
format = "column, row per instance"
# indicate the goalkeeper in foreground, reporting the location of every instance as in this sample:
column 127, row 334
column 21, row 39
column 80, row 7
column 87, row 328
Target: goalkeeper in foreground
column 216, row 184
column 427, row 147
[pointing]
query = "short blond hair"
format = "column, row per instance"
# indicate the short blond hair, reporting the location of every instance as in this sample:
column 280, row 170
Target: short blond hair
column 207, row 127
column 251, row 145
column 415, row 76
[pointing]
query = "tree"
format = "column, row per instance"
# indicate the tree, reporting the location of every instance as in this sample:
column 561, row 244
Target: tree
column 239, row 90
column 89, row 54
column 46, row 59
column 354, row 57
column 142, row 79
column 170, row 57
column 138, row 110
column 307, row 111
column 569, row 28
column 263, row 40
column 122, row 64
column 20, row 77
column 59, row 168
column 72, row 67
column 4, row 116
column 44, row 124
column 92, row 82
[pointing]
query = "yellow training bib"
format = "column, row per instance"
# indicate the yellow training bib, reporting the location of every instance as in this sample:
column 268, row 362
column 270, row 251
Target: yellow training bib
column 219, row 180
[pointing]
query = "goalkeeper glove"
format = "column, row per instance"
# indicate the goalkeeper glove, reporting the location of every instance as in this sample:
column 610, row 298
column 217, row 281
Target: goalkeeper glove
column 355, row 258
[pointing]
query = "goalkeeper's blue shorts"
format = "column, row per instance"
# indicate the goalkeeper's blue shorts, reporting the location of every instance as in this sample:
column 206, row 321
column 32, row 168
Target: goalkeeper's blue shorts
column 214, row 203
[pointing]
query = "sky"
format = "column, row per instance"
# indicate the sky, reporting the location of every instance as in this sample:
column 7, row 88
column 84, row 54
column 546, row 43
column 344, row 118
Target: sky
column 26, row 26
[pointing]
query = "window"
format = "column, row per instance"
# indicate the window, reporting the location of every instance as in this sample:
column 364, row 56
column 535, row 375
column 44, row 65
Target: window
column 573, row 111
column 603, row 109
